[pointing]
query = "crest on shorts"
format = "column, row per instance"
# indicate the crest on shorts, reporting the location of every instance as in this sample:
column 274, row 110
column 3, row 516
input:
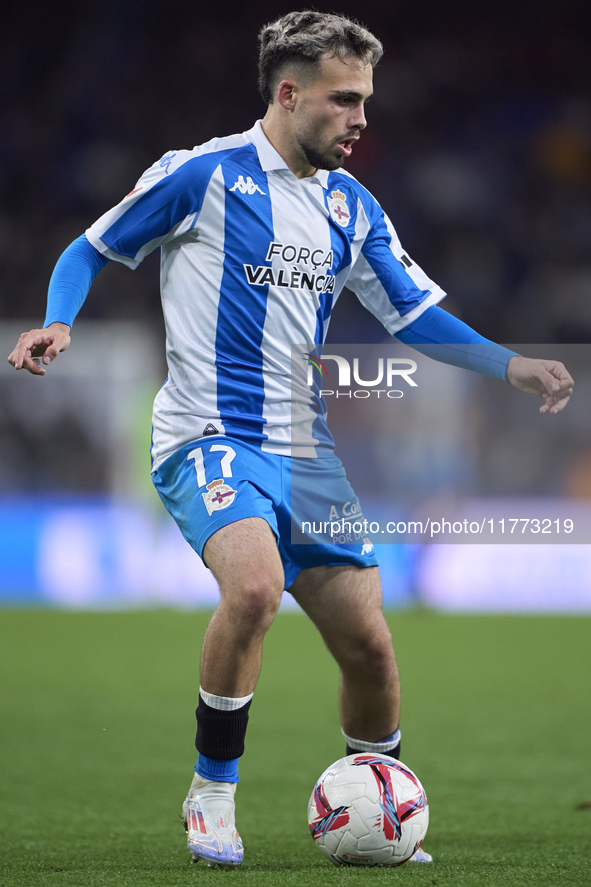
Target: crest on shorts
column 219, row 495
column 338, row 209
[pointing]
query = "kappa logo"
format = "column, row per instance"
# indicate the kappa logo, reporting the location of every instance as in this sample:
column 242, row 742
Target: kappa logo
column 246, row 187
column 167, row 160
column 219, row 495
column 337, row 206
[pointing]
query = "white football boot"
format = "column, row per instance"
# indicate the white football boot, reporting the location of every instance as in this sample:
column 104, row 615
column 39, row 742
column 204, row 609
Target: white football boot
column 420, row 855
column 208, row 814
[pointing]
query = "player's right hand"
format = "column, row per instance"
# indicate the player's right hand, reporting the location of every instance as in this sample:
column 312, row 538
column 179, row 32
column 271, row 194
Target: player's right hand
column 37, row 348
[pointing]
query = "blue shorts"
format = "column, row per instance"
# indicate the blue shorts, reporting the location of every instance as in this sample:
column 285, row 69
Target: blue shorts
column 216, row 481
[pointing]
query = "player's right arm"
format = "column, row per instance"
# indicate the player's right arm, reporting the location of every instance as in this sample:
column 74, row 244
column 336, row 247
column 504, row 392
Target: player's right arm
column 37, row 348
column 165, row 203
column 79, row 264
column 69, row 285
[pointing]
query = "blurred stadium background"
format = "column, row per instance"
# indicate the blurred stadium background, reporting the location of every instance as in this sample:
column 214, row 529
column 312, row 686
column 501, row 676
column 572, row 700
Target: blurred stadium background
column 479, row 148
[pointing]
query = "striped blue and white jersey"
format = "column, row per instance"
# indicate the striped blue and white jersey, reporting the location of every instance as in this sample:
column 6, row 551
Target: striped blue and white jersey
column 253, row 260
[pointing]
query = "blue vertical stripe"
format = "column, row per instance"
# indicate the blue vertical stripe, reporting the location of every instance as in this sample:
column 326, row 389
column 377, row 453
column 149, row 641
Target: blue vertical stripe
column 340, row 243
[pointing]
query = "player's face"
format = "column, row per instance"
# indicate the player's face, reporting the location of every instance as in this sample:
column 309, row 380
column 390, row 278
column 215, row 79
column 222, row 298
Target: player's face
column 329, row 115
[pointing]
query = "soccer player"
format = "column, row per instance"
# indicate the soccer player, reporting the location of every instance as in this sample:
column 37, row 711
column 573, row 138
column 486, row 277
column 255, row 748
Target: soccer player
column 258, row 234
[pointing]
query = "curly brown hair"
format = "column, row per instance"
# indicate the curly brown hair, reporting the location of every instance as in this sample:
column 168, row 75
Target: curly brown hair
column 299, row 40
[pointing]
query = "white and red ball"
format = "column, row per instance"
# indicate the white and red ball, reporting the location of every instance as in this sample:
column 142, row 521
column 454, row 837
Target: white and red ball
column 368, row 810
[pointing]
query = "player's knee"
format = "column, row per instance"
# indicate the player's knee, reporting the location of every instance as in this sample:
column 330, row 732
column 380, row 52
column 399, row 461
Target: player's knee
column 371, row 656
column 256, row 602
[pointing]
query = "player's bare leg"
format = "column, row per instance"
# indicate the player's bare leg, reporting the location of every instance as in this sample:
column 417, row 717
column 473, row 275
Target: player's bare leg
column 244, row 559
column 345, row 604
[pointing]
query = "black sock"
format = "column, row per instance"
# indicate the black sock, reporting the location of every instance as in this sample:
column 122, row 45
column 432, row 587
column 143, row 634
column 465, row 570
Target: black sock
column 220, row 734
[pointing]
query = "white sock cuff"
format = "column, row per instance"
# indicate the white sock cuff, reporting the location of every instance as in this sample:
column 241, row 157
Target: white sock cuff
column 224, row 703
column 375, row 747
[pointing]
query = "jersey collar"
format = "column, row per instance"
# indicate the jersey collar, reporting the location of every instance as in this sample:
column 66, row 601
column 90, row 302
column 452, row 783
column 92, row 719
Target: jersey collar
column 270, row 159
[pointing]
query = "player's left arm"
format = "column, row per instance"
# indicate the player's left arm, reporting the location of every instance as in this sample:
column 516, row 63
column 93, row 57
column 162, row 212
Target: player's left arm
column 548, row 379
column 399, row 293
column 443, row 337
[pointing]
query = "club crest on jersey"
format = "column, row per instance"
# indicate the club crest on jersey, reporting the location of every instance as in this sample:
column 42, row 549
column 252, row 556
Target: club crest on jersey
column 338, row 209
column 219, row 495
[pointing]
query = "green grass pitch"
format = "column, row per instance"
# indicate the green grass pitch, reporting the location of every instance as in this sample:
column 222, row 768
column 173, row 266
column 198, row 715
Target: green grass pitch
column 96, row 750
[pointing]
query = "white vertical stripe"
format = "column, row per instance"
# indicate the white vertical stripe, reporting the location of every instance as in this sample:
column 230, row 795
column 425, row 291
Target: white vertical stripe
column 291, row 313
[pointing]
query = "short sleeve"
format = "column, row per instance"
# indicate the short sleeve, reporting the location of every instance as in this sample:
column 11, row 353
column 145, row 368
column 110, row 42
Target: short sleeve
column 384, row 278
column 164, row 204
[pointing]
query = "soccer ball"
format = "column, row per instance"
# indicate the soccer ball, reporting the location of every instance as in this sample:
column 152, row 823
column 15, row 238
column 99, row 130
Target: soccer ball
column 368, row 810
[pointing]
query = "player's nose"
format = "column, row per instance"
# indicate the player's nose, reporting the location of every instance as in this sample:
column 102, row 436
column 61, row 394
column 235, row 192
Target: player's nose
column 357, row 119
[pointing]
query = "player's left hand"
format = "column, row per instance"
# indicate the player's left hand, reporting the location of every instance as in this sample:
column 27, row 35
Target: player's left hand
column 548, row 379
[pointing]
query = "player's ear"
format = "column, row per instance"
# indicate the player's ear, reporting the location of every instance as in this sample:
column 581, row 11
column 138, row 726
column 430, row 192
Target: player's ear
column 287, row 94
